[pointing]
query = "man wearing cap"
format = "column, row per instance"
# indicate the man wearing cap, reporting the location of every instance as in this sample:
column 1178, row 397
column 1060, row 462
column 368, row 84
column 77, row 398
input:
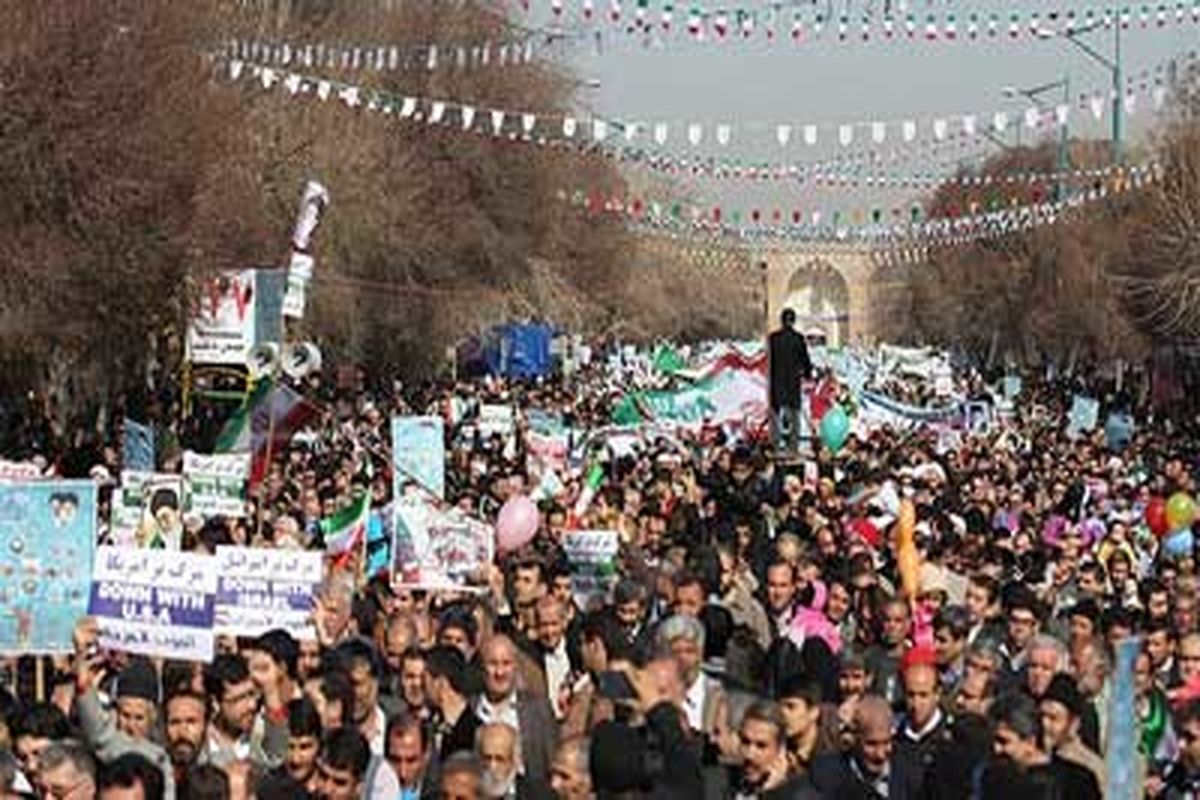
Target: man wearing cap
column 128, row 731
column 1060, row 708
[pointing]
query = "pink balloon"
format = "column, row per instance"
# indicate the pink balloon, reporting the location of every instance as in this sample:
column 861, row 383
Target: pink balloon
column 517, row 524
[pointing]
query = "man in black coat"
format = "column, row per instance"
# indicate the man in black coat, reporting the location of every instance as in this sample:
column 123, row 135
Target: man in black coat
column 872, row 769
column 789, row 365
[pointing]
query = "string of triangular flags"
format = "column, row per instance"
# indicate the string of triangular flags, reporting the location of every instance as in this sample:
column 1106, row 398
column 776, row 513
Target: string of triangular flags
column 384, row 58
column 904, row 220
column 930, row 181
column 599, row 132
column 884, row 235
column 779, row 21
column 950, row 155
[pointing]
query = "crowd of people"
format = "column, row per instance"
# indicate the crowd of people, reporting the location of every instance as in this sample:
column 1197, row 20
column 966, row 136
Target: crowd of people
column 756, row 640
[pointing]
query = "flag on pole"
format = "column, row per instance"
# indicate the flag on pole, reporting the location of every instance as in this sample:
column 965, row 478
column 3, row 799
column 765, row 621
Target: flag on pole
column 591, row 485
column 266, row 421
column 345, row 532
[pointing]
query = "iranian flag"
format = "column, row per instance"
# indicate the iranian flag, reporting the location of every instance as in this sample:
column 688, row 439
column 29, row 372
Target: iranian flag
column 265, row 422
column 345, row 532
column 729, row 389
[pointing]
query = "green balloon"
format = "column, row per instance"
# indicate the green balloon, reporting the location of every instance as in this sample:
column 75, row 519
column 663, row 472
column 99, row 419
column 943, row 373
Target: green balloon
column 835, row 428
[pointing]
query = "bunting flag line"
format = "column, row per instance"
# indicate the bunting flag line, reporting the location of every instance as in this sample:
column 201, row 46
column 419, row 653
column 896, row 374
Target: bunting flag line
column 603, row 133
column 932, row 181
column 873, row 226
column 779, row 21
column 385, row 58
column 950, row 154
column 1039, row 186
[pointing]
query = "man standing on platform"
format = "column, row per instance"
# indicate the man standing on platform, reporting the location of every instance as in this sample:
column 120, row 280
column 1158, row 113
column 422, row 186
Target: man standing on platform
column 790, row 365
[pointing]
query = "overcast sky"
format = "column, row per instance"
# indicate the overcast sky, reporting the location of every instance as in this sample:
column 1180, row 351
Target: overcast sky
column 829, row 82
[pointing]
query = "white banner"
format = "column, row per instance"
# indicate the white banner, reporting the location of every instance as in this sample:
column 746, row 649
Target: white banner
column 259, row 590
column 217, row 483
column 154, row 602
column 222, row 327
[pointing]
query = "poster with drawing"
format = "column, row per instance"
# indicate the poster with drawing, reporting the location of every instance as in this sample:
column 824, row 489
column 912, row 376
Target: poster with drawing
column 437, row 547
column 147, row 511
column 47, row 538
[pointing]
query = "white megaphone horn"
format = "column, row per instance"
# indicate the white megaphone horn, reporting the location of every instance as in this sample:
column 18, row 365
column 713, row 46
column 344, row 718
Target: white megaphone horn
column 262, row 360
column 301, row 360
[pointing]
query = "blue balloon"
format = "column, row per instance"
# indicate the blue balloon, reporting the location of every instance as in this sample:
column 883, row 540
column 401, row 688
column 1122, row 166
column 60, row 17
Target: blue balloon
column 1179, row 544
column 835, row 428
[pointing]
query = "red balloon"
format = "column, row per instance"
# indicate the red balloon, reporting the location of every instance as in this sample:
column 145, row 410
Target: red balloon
column 1156, row 516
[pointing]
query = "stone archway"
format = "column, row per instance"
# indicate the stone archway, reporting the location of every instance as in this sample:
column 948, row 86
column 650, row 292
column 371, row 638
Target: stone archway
column 825, row 282
column 819, row 295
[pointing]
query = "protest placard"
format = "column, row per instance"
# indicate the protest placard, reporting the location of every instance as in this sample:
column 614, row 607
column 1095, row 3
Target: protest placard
column 1084, row 415
column 418, row 454
column 977, row 417
column 1012, row 386
column 217, row 483
column 435, row 547
column 496, row 420
column 259, row 590
column 19, row 471
column 137, row 446
column 221, row 330
column 155, row 602
column 592, row 555
column 547, row 442
column 1118, row 430
column 47, row 534
column 147, row 510
column 381, row 526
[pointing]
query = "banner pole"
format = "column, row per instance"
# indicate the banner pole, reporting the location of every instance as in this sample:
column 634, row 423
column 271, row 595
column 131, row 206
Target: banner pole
column 262, row 486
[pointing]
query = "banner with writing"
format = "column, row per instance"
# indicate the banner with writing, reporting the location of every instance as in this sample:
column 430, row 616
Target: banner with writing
column 137, row 446
column 592, row 555
column 418, row 454
column 217, row 483
column 147, row 510
column 260, row 590
column 155, row 602
column 221, row 330
column 496, row 420
column 19, row 471
column 435, row 547
column 47, row 535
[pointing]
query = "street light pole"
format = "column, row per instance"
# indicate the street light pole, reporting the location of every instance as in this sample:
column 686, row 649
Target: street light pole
column 1118, row 91
column 1064, row 141
column 1114, row 68
column 1034, row 96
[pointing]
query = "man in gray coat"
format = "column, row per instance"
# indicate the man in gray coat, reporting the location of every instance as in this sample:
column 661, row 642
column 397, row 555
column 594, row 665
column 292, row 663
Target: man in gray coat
column 527, row 713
